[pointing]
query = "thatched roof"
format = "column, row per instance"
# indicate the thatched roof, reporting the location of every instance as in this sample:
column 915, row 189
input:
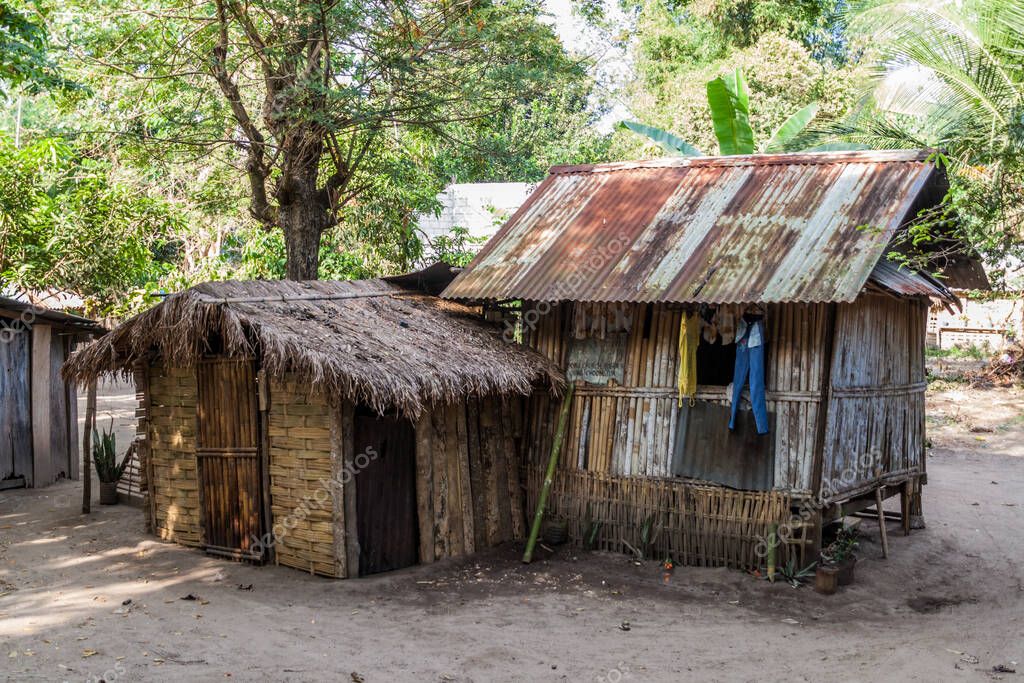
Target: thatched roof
column 369, row 340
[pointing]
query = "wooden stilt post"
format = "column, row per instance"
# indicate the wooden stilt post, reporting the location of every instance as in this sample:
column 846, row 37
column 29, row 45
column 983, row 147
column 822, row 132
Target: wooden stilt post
column 881, row 521
column 906, row 495
column 90, row 423
column 556, row 448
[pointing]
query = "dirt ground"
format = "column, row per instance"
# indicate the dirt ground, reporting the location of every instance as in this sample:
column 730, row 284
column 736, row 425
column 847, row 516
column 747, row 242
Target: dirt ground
column 91, row 598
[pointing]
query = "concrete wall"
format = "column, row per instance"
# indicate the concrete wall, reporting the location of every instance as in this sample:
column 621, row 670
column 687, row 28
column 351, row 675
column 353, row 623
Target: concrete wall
column 983, row 323
column 481, row 208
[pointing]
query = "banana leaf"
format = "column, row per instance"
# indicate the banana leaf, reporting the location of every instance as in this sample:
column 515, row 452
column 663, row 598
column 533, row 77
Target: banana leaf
column 729, row 101
column 790, row 128
column 669, row 142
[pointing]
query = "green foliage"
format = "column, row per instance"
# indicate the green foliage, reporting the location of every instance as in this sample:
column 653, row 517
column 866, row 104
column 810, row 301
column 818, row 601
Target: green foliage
column 794, row 576
column 25, row 60
column 104, row 456
column 951, row 76
column 842, row 547
column 671, row 143
column 389, row 101
column 958, row 353
column 729, row 102
column 791, row 129
column 677, row 48
column 65, row 223
column 457, row 248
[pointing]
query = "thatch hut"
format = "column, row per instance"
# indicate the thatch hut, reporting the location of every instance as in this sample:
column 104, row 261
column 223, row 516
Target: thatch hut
column 38, row 409
column 343, row 428
column 602, row 266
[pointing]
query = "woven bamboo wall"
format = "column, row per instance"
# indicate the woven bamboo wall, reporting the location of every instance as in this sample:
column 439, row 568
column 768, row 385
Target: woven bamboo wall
column 302, row 497
column 876, row 421
column 708, row 526
column 172, row 453
column 630, row 429
column 469, row 494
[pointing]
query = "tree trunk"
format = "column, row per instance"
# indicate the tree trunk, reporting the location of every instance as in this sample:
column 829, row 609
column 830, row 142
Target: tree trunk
column 303, row 220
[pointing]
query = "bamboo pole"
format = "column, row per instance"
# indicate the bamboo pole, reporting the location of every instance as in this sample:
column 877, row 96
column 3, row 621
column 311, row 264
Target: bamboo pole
column 542, row 500
column 90, row 423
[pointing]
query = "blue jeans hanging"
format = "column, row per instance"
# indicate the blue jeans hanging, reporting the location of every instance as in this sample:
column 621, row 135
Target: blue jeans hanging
column 750, row 361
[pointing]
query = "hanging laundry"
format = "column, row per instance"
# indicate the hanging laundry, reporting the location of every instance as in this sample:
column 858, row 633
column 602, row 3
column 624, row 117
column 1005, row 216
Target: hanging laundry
column 726, row 320
column 709, row 328
column 750, row 341
column 689, row 338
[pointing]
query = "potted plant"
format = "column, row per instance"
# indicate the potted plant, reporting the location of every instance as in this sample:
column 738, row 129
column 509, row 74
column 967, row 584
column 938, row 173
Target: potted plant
column 839, row 554
column 104, row 456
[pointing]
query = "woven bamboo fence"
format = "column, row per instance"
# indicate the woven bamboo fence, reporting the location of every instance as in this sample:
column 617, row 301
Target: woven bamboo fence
column 694, row 524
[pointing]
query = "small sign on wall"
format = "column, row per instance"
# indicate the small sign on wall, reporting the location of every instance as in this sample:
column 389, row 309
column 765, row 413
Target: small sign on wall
column 597, row 361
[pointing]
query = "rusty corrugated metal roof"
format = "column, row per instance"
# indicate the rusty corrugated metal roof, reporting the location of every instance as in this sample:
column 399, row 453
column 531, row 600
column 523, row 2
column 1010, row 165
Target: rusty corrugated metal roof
column 760, row 228
column 900, row 279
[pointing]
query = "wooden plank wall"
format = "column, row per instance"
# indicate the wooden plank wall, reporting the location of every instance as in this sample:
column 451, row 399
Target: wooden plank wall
column 631, row 429
column 469, row 494
column 15, row 405
column 876, row 421
column 63, row 416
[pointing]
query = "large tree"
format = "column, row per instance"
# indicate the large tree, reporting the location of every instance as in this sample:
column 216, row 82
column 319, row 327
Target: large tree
column 315, row 95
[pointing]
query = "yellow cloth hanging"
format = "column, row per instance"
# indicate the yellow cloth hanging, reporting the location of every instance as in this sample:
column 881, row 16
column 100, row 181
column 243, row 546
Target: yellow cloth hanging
column 689, row 338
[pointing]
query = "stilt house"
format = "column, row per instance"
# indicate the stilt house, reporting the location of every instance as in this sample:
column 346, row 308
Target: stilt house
column 603, row 263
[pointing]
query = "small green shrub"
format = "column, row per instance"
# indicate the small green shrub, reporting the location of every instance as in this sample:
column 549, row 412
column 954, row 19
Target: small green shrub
column 104, row 456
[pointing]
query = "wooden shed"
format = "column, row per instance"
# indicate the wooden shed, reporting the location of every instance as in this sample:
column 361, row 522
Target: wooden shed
column 38, row 409
column 342, row 428
column 602, row 265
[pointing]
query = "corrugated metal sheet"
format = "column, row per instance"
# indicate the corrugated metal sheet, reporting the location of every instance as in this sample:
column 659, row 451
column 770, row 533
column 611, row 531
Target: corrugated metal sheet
column 761, row 228
column 901, row 280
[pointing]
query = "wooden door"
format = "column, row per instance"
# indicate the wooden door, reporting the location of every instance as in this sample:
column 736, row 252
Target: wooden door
column 15, row 406
column 228, row 455
column 385, row 492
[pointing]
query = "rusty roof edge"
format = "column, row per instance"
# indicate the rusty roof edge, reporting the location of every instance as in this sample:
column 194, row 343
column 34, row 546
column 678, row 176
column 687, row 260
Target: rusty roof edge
column 794, row 158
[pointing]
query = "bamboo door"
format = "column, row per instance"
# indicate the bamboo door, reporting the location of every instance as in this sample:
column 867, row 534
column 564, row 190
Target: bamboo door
column 228, row 457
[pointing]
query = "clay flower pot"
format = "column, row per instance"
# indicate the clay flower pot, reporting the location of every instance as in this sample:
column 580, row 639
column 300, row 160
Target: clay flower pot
column 108, row 493
column 826, row 579
column 846, row 570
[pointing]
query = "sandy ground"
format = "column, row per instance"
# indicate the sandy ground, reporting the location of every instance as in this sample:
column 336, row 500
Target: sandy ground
column 90, row 598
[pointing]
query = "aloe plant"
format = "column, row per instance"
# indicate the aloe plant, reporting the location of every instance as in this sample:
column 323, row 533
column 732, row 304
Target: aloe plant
column 729, row 102
column 104, row 455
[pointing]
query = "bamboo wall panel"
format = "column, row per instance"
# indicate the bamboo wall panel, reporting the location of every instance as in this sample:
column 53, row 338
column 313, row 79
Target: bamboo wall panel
column 301, row 468
column 708, row 526
column 469, row 493
column 228, row 457
column 631, row 430
column 172, row 452
column 876, row 421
